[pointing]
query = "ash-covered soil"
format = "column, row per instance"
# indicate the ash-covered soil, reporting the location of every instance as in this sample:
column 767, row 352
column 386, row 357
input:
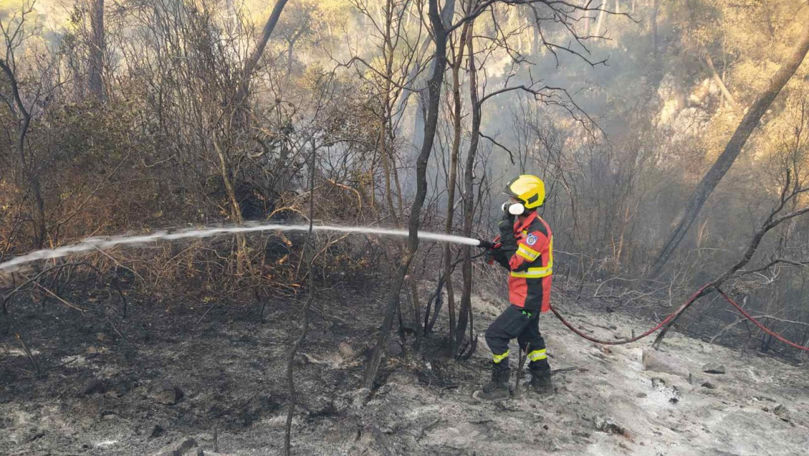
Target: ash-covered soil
column 197, row 379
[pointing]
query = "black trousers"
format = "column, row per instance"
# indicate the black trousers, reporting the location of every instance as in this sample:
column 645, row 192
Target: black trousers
column 514, row 322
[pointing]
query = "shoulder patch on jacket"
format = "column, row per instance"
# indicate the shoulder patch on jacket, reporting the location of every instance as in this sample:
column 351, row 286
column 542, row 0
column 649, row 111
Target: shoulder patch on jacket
column 531, row 239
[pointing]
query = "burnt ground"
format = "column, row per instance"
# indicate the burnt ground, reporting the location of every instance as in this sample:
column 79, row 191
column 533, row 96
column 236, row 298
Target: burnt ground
column 209, row 377
column 101, row 384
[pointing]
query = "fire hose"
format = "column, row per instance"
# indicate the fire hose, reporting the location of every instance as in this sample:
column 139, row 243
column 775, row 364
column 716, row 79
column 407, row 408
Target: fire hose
column 674, row 315
column 696, row 295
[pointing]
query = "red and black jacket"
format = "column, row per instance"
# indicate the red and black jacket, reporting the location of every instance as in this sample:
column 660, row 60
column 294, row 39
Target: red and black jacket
column 530, row 265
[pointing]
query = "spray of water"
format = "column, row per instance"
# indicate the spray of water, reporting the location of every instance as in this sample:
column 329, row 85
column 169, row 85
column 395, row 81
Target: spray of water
column 107, row 242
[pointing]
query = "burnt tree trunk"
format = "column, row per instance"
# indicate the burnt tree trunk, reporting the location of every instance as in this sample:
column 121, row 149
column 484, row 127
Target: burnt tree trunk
column 453, row 179
column 728, row 156
column 311, row 252
column 430, row 124
column 252, row 61
column 95, row 82
column 27, row 167
column 468, row 194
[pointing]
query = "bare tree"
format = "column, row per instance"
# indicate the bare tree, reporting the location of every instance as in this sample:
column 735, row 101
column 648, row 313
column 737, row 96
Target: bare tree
column 458, row 55
column 389, row 80
column 786, row 209
column 562, row 13
column 743, row 131
column 97, row 49
column 305, row 314
column 252, row 61
column 565, row 15
column 434, row 91
column 13, row 34
column 299, row 23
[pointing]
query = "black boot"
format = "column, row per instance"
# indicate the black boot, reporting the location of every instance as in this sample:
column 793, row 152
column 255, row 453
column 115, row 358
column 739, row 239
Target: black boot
column 541, row 381
column 497, row 389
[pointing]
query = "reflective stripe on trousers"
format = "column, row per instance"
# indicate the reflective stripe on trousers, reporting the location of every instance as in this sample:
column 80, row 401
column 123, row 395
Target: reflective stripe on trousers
column 537, row 355
column 499, row 358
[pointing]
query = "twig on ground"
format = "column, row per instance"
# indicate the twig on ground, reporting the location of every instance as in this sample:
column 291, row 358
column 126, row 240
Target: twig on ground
column 59, row 298
column 29, row 355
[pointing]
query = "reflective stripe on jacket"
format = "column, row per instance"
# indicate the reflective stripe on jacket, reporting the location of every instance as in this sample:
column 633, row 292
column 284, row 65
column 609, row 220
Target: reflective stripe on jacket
column 531, row 266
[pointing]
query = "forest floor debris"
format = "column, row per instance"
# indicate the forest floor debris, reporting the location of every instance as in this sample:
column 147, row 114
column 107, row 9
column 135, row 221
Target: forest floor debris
column 217, row 388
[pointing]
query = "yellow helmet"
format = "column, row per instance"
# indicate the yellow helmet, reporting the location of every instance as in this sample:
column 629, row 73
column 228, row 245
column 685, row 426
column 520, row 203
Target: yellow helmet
column 529, row 189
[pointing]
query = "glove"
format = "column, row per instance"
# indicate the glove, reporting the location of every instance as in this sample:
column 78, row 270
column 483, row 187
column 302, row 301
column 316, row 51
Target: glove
column 488, row 256
column 506, row 226
column 496, row 254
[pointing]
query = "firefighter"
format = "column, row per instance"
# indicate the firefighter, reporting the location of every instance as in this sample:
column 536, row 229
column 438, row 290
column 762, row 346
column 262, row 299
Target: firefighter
column 525, row 248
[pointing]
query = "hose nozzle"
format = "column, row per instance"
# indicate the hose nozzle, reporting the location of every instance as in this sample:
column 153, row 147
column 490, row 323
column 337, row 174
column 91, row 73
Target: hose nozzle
column 484, row 244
